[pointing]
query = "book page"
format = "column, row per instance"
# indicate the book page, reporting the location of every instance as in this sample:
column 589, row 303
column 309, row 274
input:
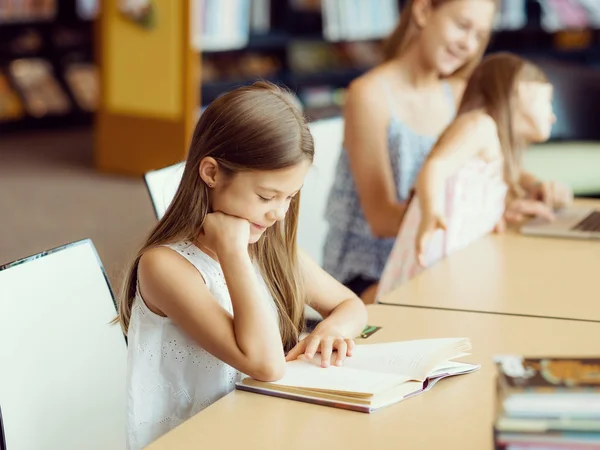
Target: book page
column 452, row 367
column 415, row 359
column 311, row 375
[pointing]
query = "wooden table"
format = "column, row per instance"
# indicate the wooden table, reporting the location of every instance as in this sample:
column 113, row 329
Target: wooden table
column 512, row 274
column 456, row 414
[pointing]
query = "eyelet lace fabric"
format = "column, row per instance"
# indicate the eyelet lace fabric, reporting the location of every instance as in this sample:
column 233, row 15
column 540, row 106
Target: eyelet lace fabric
column 170, row 377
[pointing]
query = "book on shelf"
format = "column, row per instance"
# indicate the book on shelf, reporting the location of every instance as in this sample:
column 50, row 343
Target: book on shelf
column 374, row 377
column 260, row 16
column 88, row 9
column 11, row 107
column 27, row 11
column 512, row 15
column 41, row 92
column 221, row 25
column 556, row 15
column 83, row 81
column 355, row 20
column 564, row 15
column 593, row 11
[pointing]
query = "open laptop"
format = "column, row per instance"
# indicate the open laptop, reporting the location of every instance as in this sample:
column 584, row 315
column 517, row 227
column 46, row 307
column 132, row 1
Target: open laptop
column 571, row 222
column 576, row 94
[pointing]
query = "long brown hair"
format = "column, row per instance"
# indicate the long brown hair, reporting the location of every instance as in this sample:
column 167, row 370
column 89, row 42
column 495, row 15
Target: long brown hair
column 493, row 87
column 406, row 30
column 255, row 127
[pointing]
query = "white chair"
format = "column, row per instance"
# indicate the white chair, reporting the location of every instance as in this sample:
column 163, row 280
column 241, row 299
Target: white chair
column 2, row 437
column 162, row 185
column 312, row 227
column 64, row 367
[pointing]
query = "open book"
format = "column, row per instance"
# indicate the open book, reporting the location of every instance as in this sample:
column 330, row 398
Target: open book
column 375, row 376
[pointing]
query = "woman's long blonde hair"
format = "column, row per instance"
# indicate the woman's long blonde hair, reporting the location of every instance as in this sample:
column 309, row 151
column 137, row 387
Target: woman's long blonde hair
column 493, row 87
column 405, row 33
column 255, row 127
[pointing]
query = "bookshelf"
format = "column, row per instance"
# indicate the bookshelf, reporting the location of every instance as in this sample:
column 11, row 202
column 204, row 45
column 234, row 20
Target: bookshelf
column 155, row 80
column 48, row 78
column 294, row 51
column 534, row 31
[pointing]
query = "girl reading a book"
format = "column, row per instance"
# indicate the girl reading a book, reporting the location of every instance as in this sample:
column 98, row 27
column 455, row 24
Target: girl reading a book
column 475, row 167
column 219, row 288
column 393, row 114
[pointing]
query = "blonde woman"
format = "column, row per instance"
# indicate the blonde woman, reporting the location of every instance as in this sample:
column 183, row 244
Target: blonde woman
column 393, row 115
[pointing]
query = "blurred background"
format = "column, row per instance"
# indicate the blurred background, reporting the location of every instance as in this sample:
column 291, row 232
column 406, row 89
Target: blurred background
column 94, row 94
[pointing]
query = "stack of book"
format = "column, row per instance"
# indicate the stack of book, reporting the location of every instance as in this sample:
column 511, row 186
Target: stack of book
column 547, row 403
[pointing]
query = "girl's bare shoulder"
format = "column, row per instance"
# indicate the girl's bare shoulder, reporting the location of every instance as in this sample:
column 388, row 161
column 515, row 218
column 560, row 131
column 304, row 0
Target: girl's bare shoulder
column 476, row 122
column 369, row 85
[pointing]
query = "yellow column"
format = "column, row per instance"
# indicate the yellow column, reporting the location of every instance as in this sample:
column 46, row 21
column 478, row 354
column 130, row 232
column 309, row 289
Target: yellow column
column 150, row 91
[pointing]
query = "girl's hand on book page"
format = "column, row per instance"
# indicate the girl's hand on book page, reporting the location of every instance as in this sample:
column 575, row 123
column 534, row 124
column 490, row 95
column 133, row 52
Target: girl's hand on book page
column 324, row 342
column 518, row 209
column 429, row 224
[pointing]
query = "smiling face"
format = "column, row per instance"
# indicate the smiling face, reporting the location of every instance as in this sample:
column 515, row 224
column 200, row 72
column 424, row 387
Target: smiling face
column 453, row 33
column 260, row 197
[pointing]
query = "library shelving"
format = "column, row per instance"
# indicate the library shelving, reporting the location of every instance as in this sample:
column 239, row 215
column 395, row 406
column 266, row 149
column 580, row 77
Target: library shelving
column 48, row 76
column 155, row 78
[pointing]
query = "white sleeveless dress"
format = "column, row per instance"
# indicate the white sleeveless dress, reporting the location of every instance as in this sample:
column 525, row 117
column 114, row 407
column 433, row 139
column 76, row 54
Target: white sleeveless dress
column 171, row 378
column 474, row 202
